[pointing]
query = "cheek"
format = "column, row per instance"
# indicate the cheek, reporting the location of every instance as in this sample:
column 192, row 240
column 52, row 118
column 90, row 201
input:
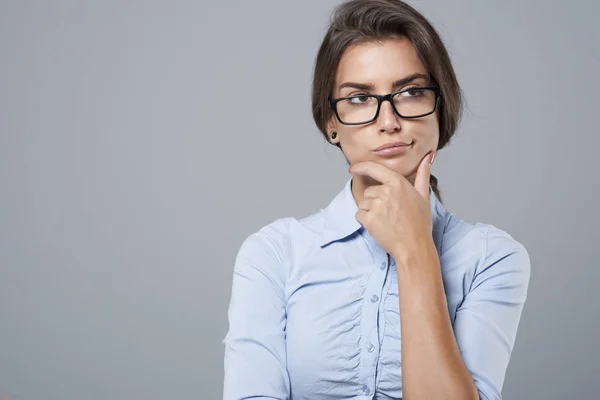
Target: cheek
column 355, row 145
column 429, row 131
column 350, row 138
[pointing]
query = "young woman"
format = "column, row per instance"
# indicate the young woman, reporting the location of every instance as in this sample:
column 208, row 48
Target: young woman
column 384, row 294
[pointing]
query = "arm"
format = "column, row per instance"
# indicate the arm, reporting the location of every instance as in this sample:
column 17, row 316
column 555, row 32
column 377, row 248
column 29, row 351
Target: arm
column 470, row 360
column 486, row 322
column 255, row 358
column 432, row 366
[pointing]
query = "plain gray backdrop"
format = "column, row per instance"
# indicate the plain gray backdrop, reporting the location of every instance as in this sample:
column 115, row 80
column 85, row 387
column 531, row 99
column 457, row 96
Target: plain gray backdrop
column 141, row 142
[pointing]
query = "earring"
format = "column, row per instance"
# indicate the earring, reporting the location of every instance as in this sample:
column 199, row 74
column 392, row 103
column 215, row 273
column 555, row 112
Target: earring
column 333, row 135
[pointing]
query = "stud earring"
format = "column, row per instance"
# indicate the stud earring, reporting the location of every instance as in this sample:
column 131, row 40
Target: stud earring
column 333, row 135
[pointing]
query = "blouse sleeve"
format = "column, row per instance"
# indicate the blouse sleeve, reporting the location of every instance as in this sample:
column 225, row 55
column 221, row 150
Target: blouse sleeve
column 255, row 357
column 486, row 322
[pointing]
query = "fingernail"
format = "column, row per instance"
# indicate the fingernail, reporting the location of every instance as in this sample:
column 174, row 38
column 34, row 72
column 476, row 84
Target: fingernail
column 432, row 157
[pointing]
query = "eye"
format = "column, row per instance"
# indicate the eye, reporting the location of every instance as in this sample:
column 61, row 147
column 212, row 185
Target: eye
column 415, row 91
column 360, row 98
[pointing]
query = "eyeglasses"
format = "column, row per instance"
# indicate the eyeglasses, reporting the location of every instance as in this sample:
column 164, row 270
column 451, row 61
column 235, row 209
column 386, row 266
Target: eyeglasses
column 414, row 102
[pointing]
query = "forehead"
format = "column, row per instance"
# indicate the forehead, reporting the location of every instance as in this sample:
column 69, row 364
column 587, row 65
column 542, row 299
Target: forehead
column 379, row 63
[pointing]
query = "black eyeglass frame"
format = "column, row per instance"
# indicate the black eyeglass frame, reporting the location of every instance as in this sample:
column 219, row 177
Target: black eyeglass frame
column 383, row 97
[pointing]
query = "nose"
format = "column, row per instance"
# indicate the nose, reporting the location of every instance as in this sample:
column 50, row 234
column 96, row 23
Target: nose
column 388, row 120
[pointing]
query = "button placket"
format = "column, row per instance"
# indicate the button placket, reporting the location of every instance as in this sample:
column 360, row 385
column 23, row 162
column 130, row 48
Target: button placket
column 370, row 333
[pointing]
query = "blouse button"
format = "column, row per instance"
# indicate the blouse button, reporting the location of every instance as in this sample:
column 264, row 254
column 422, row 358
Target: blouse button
column 366, row 390
column 374, row 298
column 383, row 264
column 371, row 348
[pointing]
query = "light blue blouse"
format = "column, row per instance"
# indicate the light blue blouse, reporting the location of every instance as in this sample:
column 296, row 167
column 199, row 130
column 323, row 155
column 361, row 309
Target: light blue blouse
column 314, row 310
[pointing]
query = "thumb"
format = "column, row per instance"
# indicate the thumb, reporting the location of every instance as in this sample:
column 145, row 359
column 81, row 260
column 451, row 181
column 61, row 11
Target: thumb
column 422, row 177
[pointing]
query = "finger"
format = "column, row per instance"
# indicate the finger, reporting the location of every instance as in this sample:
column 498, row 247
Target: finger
column 422, row 177
column 376, row 191
column 374, row 170
column 361, row 216
column 366, row 204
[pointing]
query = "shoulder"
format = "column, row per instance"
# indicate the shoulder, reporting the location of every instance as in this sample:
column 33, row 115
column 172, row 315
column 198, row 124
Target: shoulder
column 499, row 241
column 272, row 238
column 504, row 255
column 487, row 245
column 486, row 237
column 279, row 237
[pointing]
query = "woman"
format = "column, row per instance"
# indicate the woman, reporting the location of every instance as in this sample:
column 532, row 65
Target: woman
column 317, row 303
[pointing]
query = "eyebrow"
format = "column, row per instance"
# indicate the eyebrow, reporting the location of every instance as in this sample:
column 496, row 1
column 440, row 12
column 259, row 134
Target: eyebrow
column 370, row 87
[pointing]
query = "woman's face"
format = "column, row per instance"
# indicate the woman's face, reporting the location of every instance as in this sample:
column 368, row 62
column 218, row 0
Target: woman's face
column 380, row 65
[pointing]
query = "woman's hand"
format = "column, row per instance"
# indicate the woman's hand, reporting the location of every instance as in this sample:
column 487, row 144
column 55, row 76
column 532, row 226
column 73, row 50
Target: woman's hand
column 396, row 213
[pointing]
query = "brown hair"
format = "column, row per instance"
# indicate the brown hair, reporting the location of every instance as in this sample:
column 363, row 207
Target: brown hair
column 360, row 21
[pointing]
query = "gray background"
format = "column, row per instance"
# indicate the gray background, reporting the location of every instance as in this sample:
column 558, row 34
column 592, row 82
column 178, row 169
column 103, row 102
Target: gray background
column 141, row 142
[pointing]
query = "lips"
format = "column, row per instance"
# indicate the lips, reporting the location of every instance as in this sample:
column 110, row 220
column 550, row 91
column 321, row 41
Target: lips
column 393, row 150
column 391, row 145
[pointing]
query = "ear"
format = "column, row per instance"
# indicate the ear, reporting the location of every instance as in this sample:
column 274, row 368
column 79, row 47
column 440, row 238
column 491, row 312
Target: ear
column 332, row 127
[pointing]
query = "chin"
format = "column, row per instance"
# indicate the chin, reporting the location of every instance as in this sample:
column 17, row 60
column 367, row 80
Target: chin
column 400, row 165
column 405, row 168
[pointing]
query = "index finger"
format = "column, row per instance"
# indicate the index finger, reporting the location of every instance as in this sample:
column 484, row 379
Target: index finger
column 375, row 170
